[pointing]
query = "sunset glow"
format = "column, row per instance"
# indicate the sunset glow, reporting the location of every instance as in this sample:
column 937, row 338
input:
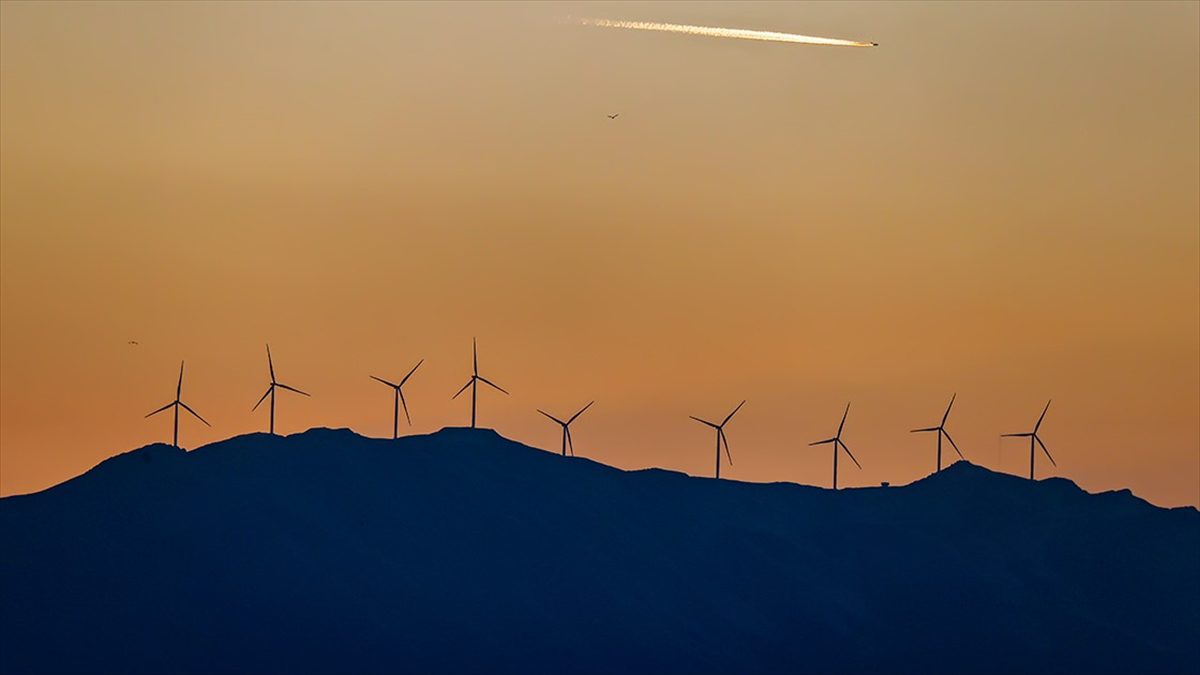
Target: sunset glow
column 971, row 209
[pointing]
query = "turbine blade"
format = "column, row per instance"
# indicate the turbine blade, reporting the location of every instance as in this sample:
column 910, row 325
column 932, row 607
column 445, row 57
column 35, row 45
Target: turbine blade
column 580, row 412
column 493, row 385
column 730, row 415
column 404, row 404
column 1015, row 435
column 414, row 369
column 570, row 442
column 165, row 407
column 390, row 384
column 464, row 388
column 917, row 431
column 264, row 397
column 827, row 440
column 270, row 364
column 552, row 417
column 284, row 386
column 850, row 453
column 947, row 433
column 704, row 422
column 194, row 413
column 1045, row 449
column 947, row 415
column 1042, row 417
column 839, row 433
column 721, row 436
column 475, row 356
column 179, row 387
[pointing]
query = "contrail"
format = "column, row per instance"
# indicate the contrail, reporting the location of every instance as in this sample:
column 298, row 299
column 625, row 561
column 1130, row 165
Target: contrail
column 738, row 33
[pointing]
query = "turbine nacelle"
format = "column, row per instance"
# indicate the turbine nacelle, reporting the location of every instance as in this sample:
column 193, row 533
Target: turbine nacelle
column 1035, row 440
column 473, row 383
column 721, row 438
column 941, row 431
column 837, row 442
column 400, row 398
column 275, row 384
column 177, row 404
column 568, row 442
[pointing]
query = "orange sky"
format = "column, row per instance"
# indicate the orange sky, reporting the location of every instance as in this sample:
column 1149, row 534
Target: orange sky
column 1001, row 201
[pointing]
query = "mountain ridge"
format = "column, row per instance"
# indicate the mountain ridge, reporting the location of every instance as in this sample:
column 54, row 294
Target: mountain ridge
column 148, row 453
column 464, row 551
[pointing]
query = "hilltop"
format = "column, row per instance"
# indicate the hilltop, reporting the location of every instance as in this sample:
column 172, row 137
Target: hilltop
column 462, row 551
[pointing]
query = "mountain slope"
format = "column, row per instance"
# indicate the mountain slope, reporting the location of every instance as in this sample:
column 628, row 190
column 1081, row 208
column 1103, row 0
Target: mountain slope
column 462, row 551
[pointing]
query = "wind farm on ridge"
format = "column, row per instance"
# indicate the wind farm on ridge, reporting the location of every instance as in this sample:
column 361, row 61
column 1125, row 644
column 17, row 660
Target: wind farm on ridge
column 567, row 446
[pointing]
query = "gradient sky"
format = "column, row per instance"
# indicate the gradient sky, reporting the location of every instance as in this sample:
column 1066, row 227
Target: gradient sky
column 1000, row 201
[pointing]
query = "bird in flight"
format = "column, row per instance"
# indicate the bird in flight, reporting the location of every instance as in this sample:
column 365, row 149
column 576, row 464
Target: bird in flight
column 613, row 116
column 133, row 343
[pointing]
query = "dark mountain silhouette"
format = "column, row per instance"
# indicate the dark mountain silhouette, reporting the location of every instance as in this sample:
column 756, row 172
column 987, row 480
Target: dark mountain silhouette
column 462, row 551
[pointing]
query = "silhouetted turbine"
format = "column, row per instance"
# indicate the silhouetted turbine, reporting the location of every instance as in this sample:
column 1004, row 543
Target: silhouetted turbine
column 721, row 435
column 566, row 428
column 836, row 441
column 271, row 390
column 398, row 400
column 941, row 431
column 1035, row 439
column 473, row 383
column 177, row 404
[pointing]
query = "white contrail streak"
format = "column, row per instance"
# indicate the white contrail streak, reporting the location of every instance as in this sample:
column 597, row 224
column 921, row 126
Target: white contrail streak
column 738, row 33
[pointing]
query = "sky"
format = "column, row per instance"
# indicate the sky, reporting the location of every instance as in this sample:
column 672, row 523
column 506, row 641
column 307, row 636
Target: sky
column 1000, row 201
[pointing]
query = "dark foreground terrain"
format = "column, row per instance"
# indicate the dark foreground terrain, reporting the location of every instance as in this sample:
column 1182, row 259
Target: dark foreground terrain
column 461, row 551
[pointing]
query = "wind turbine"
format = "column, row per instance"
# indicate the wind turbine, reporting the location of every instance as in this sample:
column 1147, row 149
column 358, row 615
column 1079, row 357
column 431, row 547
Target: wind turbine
column 566, row 428
column 941, row 431
column 176, row 404
column 836, row 441
column 1035, row 439
column 271, row 390
column 398, row 400
column 721, row 435
column 473, row 383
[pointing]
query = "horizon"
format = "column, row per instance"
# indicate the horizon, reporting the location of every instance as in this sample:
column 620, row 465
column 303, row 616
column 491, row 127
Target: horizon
column 1001, row 202
column 488, row 431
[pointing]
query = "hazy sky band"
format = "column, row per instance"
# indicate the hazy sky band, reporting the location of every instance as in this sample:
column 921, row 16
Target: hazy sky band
column 736, row 33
